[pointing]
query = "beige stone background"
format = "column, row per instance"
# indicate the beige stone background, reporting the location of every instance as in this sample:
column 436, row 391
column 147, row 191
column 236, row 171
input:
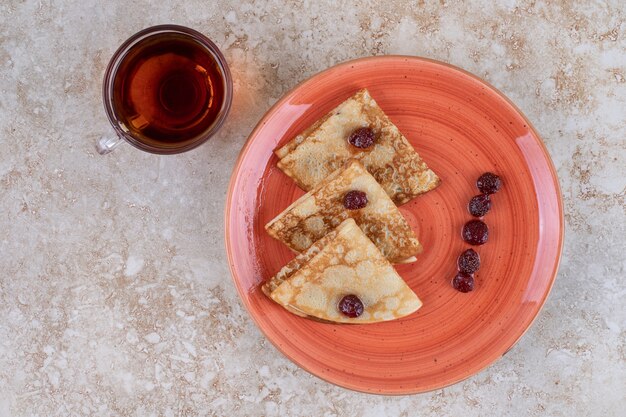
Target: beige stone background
column 115, row 296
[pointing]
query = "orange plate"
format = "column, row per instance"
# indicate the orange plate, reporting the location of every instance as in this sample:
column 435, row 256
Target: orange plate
column 462, row 127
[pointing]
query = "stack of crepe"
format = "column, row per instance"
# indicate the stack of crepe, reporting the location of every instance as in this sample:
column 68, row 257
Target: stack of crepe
column 320, row 210
column 343, row 262
column 322, row 148
column 344, row 251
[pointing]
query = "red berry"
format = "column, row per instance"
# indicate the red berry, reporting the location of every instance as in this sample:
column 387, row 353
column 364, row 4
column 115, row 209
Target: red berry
column 475, row 232
column 354, row 200
column 488, row 183
column 351, row 306
column 362, row 138
column 463, row 282
column 479, row 205
column 469, row 262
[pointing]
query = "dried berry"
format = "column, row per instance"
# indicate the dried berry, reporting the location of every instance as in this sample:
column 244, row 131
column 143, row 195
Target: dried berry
column 463, row 282
column 362, row 138
column 475, row 232
column 354, row 200
column 479, row 205
column 469, row 262
column 488, row 183
column 351, row 306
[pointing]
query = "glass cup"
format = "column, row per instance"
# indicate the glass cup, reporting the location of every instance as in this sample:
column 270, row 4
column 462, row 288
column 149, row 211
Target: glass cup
column 166, row 90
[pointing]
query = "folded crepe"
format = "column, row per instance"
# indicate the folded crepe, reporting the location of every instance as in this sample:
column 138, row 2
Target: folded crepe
column 322, row 148
column 319, row 211
column 344, row 262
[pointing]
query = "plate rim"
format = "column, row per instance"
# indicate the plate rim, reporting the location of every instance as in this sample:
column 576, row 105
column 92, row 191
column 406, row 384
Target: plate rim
column 286, row 95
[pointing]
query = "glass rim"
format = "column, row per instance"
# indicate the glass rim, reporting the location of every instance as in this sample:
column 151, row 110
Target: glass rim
column 118, row 57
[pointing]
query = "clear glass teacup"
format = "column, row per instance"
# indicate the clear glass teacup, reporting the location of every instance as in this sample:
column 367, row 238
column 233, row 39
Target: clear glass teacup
column 166, row 90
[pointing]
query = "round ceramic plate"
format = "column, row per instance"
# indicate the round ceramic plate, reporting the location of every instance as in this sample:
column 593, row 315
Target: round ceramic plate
column 461, row 127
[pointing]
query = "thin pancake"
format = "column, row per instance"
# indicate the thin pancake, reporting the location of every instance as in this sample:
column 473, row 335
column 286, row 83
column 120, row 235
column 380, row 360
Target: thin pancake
column 348, row 263
column 319, row 211
column 323, row 147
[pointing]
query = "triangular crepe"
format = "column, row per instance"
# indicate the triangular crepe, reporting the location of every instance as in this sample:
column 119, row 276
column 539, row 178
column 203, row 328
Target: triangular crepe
column 316, row 213
column 322, row 148
column 345, row 262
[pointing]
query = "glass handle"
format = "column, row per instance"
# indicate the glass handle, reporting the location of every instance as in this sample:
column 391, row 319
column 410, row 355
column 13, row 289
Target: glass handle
column 106, row 144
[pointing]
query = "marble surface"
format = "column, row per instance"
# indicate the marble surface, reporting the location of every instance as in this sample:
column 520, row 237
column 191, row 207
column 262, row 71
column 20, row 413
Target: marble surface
column 115, row 295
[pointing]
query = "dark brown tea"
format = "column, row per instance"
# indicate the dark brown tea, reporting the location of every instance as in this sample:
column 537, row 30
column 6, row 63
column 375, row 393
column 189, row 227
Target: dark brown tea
column 168, row 90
